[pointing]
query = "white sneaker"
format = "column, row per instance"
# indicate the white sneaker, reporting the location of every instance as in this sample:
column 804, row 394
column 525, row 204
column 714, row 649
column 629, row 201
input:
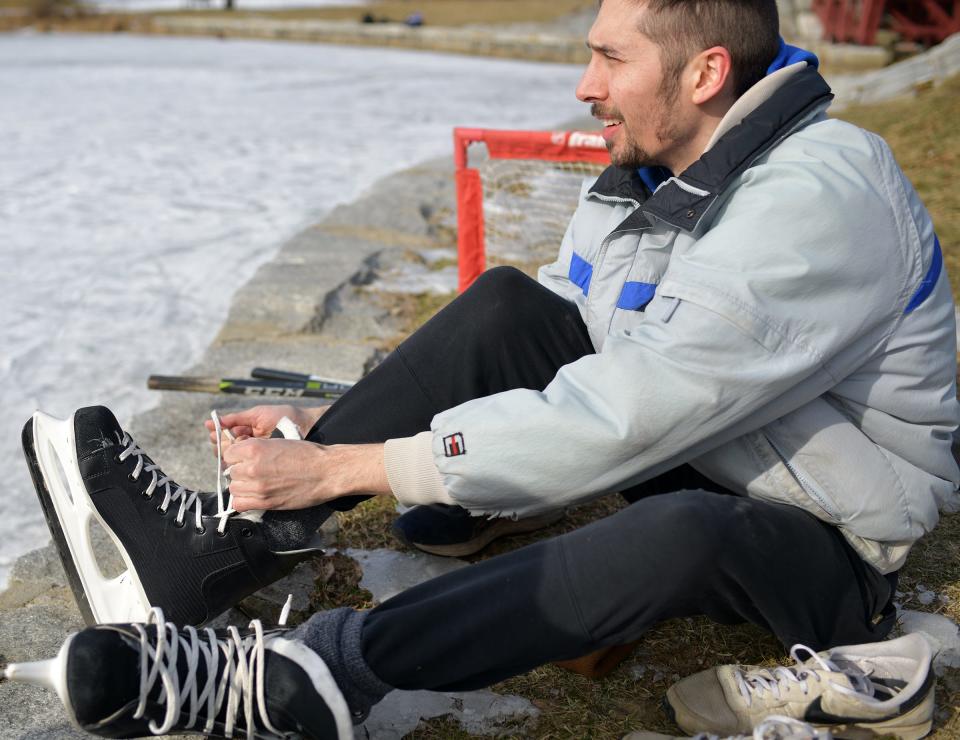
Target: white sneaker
column 885, row 688
column 772, row 728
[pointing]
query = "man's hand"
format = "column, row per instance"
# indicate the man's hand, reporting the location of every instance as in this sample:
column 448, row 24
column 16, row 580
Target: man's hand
column 290, row 474
column 260, row 421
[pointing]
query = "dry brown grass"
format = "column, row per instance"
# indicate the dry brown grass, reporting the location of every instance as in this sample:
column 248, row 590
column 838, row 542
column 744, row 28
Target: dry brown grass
column 437, row 12
column 340, row 585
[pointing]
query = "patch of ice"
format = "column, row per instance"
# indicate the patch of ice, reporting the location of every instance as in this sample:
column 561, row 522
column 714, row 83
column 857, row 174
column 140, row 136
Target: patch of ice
column 478, row 712
column 385, row 574
column 388, row 572
column 432, row 256
column 415, row 278
column 942, row 633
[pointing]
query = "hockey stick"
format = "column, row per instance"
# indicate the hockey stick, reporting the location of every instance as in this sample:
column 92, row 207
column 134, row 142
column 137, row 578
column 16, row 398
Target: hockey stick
column 241, row 386
column 327, row 384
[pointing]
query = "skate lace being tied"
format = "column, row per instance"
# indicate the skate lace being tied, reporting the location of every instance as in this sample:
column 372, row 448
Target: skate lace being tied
column 240, row 684
column 173, row 492
column 759, row 681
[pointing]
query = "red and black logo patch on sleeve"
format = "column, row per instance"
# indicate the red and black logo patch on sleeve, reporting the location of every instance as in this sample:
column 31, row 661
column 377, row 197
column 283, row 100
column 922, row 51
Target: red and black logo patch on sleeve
column 453, row 445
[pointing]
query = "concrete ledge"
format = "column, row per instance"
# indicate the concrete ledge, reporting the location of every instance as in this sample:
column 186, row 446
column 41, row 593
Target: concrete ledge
column 535, row 46
column 848, row 57
column 480, row 42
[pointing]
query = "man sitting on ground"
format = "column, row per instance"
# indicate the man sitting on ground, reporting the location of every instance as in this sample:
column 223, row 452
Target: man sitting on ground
column 759, row 351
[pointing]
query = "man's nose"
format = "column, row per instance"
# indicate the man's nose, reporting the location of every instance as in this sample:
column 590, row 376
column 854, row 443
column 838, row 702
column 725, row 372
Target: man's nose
column 592, row 85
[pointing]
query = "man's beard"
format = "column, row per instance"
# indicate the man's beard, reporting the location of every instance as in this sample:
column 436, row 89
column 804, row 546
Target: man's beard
column 632, row 155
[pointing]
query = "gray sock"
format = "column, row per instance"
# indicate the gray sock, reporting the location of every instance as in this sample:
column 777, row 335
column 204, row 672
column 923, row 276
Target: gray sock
column 336, row 637
column 292, row 530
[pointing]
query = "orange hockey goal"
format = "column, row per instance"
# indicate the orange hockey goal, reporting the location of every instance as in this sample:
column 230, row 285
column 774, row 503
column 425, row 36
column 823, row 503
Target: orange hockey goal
column 514, row 203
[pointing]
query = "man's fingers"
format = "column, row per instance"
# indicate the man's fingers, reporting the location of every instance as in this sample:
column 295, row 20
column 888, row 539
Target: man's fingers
column 227, row 422
column 238, row 436
column 240, row 472
column 242, row 450
column 253, row 503
column 240, row 430
column 237, row 417
column 249, row 503
column 241, row 422
column 253, row 494
column 245, row 487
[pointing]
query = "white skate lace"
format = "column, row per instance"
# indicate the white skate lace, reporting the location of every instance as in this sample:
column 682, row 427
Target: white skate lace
column 241, row 683
column 774, row 680
column 173, row 492
column 776, row 727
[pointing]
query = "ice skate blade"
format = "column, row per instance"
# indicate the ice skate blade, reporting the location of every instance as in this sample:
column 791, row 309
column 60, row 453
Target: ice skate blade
column 50, row 446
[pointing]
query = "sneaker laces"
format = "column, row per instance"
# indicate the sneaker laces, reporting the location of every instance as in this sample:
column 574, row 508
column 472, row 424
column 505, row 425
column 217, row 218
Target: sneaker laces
column 760, row 680
column 174, row 492
column 776, row 727
column 241, row 683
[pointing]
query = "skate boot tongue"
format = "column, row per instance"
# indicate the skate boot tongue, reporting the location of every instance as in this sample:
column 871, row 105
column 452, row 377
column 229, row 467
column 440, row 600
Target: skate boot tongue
column 103, row 673
column 96, row 429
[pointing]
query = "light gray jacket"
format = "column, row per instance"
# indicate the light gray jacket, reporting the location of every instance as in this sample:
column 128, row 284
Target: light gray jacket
column 777, row 316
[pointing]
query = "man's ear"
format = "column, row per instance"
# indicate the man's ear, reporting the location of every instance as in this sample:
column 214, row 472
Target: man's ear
column 710, row 74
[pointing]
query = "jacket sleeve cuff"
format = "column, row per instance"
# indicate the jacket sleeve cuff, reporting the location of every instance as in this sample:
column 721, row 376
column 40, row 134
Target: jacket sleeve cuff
column 411, row 472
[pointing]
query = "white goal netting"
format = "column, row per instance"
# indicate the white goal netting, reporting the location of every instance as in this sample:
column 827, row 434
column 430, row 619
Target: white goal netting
column 527, row 205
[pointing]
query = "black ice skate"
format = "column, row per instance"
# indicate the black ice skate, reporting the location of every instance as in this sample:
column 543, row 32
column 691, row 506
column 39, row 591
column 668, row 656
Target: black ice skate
column 131, row 680
column 192, row 563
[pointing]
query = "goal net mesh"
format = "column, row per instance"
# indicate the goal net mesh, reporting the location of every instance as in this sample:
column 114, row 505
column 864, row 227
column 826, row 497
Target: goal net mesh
column 527, row 205
column 516, row 191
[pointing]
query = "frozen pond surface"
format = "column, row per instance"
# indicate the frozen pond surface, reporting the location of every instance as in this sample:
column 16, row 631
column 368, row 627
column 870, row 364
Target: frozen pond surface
column 144, row 179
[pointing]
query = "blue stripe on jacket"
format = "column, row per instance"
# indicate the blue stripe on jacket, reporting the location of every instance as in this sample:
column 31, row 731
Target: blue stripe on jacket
column 633, row 297
column 636, row 296
column 580, row 272
column 929, row 281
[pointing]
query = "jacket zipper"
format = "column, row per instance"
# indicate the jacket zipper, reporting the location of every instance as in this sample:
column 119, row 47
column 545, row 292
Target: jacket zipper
column 805, row 483
column 606, row 240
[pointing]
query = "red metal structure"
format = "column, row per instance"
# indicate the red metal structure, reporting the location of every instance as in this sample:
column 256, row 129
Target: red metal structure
column 857, row 21
column 926, row 21
column 549, row 146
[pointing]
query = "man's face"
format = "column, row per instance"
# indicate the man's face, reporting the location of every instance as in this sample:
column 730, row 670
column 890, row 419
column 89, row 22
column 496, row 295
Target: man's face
column 624, row 83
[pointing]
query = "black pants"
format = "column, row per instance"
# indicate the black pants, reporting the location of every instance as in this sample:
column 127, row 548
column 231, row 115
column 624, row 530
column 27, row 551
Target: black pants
column 684, row 547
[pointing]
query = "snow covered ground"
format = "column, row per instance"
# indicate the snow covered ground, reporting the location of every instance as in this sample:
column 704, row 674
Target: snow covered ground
column 144, row 179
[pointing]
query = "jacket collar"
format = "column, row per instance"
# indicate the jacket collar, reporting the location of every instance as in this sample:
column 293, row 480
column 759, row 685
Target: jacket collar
column 621, row 183
column 683, row 200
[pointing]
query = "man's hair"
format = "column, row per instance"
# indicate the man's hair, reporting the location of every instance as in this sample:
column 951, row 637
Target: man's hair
column 748, row 29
